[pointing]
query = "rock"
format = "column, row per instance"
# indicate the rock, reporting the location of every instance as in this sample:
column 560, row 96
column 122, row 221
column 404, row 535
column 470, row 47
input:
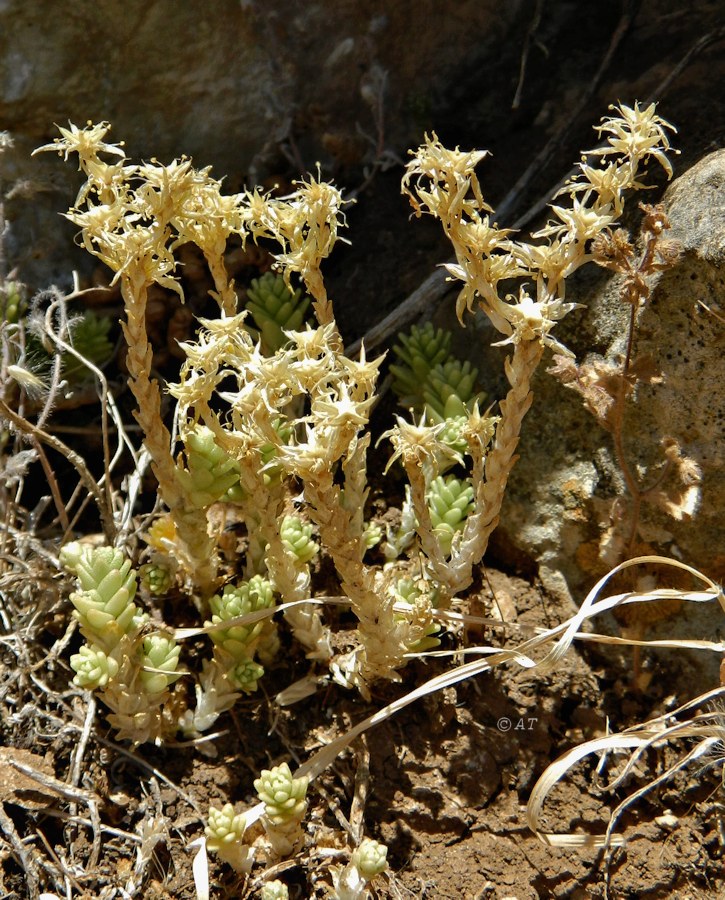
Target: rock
column 234, row 85
column 567, row 489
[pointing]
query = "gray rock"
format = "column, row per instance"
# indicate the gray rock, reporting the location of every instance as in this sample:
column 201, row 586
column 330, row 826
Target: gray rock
column 564, row 489
column 234, row 85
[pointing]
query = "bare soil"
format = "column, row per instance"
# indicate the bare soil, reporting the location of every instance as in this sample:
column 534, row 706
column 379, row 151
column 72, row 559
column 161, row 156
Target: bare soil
column 445, row 783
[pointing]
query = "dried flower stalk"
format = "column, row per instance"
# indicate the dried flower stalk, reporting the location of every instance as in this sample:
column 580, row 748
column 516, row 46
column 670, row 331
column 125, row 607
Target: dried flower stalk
column 268, row 424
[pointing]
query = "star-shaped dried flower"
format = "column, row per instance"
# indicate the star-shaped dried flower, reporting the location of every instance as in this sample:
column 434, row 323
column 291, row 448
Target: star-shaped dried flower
column 638, row 133
column 417, row 444
column 86, row 142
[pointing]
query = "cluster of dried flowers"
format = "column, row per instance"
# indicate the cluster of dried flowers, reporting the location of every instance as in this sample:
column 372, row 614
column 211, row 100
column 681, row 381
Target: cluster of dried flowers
column 283, row 433
column 264, row 425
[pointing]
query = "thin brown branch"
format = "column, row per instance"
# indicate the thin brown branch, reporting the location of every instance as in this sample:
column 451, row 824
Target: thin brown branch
column 106, row 514
column 25, row 858
column 53, row 485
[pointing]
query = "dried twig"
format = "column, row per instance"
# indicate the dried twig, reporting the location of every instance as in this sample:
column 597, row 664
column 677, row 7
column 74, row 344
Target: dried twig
column 530, row 32
column 362, row 786
column 67, row 791
column 26, row 859
column 77, row 461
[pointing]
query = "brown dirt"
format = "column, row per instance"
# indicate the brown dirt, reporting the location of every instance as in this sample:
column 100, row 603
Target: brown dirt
column 449, row 779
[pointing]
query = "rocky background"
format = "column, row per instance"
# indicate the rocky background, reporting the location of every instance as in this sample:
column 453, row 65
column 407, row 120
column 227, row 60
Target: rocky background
column 263, row 91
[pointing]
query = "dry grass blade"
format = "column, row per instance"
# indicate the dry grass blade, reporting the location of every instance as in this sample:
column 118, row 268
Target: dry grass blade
column 660, row 731
column 639, row 738
column 567, row 632
column 590, row 607
column 258, row 615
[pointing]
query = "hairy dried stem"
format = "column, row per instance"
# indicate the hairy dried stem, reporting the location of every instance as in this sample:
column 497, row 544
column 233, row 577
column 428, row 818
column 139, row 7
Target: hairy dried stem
column 192, row 526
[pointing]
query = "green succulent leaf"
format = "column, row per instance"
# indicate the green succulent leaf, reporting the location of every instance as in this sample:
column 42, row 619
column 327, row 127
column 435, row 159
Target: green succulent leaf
column 275, row 309
column 282, row 795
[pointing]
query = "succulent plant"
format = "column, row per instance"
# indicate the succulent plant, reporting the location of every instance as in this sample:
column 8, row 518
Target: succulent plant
column 275, row 309
column 283, row 796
